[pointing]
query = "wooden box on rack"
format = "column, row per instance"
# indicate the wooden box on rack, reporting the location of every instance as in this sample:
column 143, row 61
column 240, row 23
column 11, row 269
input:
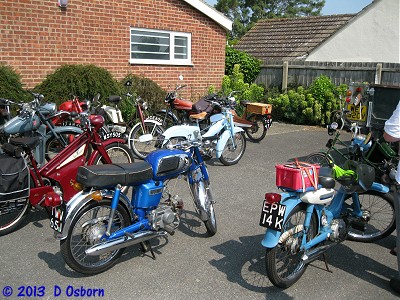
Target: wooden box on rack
column 259, row 108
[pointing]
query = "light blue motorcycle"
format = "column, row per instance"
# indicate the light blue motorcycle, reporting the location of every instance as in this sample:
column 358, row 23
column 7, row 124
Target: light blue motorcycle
column 301, row 226
column 99, row 222
column 221, row 137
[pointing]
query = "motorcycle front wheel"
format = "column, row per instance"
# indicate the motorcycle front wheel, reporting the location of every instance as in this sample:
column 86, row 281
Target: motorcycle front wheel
column 378, row 217
column 204, row 202
column 231, row 155
column 319, row 158
column 258, row 131
column 142, row 149
column 86, row 230
column 284, row 262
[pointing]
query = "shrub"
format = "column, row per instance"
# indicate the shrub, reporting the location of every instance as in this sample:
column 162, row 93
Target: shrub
column 235, row 82
column 148, row 90
column 10, row 85
column 311, row 106
column 84, row 81
column 249, row 66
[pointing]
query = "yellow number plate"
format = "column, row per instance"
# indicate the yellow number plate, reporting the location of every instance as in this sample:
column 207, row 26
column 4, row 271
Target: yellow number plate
column 354, row 113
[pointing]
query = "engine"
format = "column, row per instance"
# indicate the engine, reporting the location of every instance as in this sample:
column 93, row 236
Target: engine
column 339, row 230
column 163, row 216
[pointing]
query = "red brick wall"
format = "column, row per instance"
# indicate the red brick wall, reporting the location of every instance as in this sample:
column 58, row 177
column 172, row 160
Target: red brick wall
column 37, row 37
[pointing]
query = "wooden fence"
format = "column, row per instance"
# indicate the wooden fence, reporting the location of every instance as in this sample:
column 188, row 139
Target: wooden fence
column 294, row 73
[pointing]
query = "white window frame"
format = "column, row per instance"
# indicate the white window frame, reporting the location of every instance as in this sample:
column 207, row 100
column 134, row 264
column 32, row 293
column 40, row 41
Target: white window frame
column 172, row 60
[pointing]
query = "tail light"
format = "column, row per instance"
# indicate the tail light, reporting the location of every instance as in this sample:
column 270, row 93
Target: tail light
column 273, row 197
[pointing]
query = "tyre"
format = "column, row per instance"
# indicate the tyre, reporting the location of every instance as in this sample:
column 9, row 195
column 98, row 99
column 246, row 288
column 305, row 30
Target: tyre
column 13, row 213
column 118, row 153
column 86, row 230
column 201, row 193
column 378, row 215
column 319, row 158
column 54, row 145
column 231, row 155
column 142, row 149
column 258, row 131
column 167, row 120
column 284, row 264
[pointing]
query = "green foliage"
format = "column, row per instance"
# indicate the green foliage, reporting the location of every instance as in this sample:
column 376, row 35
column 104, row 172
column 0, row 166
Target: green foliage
column 84, row 81
column 10, row 85
column 249, row 66
column 245, row 13
column 310, row 106
column 235, row 82
column 145, row 88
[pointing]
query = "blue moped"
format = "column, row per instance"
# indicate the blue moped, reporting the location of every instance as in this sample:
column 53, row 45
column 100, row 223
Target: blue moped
column 302, row 226
column 99, row 222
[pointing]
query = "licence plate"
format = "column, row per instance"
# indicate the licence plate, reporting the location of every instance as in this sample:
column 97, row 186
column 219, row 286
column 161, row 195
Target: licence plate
column 57, row 218
column 354, row 113
column 272, row 215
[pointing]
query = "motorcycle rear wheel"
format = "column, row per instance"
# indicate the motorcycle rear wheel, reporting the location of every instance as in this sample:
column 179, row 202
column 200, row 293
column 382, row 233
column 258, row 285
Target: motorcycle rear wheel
column 118, row 153
column 379, row 213
column 85, row 231
column 231, row 156
column 12, row 213
column 54, row 145
column 284, row 262
column 258, row 131
column 11, row 220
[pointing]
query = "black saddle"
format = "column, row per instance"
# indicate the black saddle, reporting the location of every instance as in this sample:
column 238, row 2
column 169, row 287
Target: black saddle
column 25, row 142
column 114, row 99
column 109, row 175
column 325, row 178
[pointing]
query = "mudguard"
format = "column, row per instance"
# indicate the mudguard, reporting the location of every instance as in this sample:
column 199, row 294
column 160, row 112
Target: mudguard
column 191, row 133
column 271, row 237
column 377, row 187
column 140, row 124
column 61, row 129
column 79, row 201
column 224, row 139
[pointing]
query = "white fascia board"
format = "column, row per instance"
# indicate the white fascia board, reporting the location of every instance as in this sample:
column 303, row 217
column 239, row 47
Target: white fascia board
column 212, row 13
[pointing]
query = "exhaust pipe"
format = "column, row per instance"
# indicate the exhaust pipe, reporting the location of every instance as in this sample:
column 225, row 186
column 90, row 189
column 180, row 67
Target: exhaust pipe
column 123, row 242
column 315, row 253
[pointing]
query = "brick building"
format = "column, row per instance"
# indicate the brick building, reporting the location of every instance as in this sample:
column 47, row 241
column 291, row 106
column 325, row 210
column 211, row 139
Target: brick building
column 158, row 39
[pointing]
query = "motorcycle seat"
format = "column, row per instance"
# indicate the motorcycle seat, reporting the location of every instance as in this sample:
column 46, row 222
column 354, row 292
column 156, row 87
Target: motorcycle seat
column 325, row 178
column 109, row 175
column 25, row 142
column 244, row 102
column 114, row 99
column 199, row 116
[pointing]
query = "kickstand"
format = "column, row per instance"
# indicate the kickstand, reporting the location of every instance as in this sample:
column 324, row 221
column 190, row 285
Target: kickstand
column 146, row 246
column 326, row 262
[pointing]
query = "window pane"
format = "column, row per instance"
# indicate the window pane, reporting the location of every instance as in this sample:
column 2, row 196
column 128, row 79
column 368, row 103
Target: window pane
column 181, row 44
column 149, row 45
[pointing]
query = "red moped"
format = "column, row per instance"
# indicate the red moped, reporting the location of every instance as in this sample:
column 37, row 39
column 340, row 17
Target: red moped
column 55, row 180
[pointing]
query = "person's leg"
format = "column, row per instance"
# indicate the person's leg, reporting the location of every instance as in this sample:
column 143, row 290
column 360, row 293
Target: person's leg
column 395, row 281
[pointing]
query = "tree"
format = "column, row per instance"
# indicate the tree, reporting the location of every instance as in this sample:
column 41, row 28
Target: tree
column 245, row 13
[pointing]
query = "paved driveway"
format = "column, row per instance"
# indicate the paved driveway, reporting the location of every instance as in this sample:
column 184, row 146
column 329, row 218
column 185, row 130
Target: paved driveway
column 190, row 265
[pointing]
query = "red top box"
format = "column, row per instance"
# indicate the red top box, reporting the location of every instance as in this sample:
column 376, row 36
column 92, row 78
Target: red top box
column 297, row 176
